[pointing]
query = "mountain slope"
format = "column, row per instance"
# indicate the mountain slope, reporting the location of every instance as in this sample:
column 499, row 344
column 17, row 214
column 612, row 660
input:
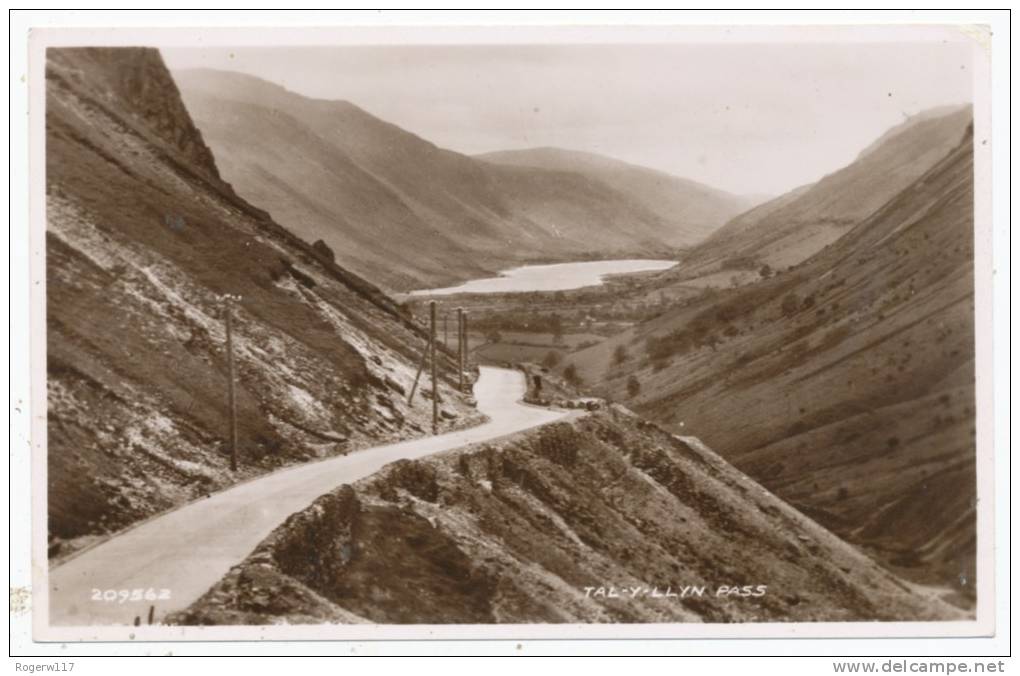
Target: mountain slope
column 693, row 211
column 792, row 227
column 143, row 237
column 395, row 207
column 845, row 385
column 595, row 520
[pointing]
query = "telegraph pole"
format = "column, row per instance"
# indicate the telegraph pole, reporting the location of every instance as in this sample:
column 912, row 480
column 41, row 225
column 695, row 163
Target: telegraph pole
column 417, row 376
column 467, row 352
column 228, row 313
column 432, row 358
column 460, row 347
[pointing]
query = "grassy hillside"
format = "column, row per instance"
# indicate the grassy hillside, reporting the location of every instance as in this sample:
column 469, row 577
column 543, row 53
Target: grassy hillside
column 846, row 384
column 691, row 210
column 143, row 237
column 537, row 528
column 792, row 227
column 398, row 209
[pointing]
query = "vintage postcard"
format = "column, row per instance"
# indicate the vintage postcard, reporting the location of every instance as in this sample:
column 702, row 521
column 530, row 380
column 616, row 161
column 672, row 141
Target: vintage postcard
column 511, row 333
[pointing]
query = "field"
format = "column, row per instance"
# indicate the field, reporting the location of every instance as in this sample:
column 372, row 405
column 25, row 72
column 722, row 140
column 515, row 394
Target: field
column 516, row 346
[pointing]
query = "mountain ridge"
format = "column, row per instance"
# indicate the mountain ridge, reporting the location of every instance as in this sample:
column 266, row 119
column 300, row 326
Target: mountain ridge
column 695, row 209
column 844, row 384
column 354, row 175
column 792, row 227
column 143, row 239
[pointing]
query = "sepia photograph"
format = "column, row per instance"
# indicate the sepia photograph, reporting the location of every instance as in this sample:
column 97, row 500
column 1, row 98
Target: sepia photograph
column 593, row 333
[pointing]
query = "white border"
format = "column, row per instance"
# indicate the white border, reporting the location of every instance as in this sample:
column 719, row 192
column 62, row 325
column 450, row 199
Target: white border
column 516, row 34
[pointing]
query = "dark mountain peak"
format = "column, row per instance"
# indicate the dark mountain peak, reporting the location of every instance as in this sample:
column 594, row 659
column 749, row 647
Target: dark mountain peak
column 135, row 81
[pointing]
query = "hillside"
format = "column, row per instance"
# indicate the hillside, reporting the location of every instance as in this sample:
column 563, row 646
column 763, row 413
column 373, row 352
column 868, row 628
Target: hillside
column 396, row 208
column 846, row 384
column 595, row 520
column 143, row 238
column 691, row 210
column 792, row 227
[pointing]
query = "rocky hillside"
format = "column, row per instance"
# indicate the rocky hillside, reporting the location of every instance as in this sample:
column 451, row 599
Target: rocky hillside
column 396, row 208
column 846, row 384
column 692, row 210
column 603, row 519
column 143, row 237
column 792, row 227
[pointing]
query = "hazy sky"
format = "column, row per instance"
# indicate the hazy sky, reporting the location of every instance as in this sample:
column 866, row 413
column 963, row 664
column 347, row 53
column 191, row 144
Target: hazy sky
column 754, row 118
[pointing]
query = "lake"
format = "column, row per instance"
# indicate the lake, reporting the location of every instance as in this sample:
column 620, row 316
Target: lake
column 556, row 277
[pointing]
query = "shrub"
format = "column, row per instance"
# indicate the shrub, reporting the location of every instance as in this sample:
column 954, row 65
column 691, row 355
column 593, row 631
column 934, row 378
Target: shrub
column 740, row 263
column 633, row 386
column 556, row 326
column 323, row 250
column 551, row 359
column 619, row 354
column 790, row 304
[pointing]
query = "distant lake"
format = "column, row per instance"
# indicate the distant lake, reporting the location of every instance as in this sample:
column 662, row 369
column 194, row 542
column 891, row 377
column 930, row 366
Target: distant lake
column 558, row 277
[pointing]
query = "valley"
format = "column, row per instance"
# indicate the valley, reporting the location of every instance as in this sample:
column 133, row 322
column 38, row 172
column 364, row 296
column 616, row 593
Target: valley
column 408, row 214
column 843, row 382
column 667, row 384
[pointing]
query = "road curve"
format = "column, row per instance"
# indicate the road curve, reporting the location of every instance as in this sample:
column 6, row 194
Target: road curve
column 188, row 550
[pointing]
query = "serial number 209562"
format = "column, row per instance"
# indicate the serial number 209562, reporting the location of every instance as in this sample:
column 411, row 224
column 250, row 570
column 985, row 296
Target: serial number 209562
column 125, row 595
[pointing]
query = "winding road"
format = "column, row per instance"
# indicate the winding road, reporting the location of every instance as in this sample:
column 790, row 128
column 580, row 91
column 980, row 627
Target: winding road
column 182, row 553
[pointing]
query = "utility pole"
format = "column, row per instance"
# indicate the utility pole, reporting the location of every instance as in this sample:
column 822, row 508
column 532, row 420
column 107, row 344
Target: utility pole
column 432, row 358
column 460, row 347
column 417, row 376
column 228, row 314
column 467, row 352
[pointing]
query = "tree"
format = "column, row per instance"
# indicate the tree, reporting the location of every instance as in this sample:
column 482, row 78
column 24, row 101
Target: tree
column 556, row 324
column 633, row 386
column 619, row 354
column 790, row 304
column 570, row 375
column 551, row 359
column 766, row 271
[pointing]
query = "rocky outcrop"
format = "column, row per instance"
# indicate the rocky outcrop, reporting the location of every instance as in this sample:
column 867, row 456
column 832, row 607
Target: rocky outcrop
column 606, row 518
column 143, row 239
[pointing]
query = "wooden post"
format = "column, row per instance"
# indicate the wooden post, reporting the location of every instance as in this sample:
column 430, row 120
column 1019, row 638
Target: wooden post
column 446, row 330
column 460, row 348
column 152, row 613
column 467, row 342
column 230, row 371
column 421, row 367
column 432, row 358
